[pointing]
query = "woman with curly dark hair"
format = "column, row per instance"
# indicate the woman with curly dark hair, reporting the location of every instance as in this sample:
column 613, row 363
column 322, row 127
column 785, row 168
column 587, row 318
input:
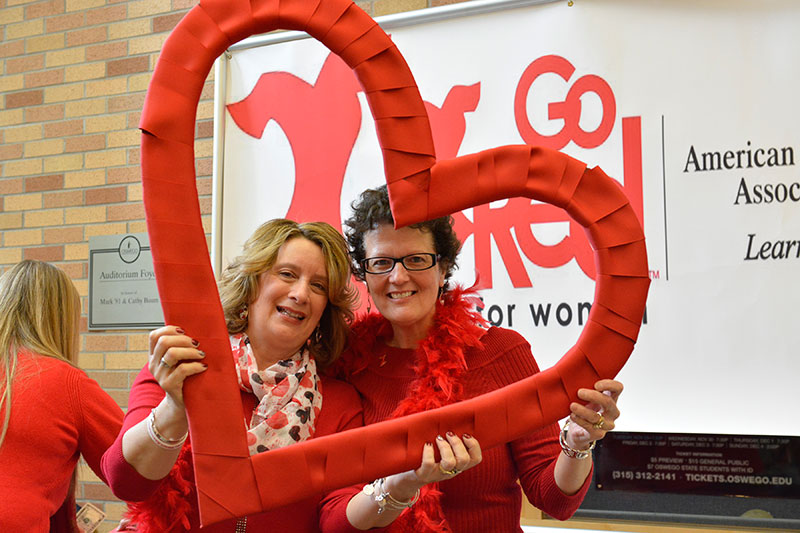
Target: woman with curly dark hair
column 426, row 348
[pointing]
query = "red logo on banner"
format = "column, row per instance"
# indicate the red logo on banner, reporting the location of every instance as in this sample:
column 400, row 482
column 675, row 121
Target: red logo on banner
column 519, row 213
column 321, row 122
column 321, row 154
column 569, row 110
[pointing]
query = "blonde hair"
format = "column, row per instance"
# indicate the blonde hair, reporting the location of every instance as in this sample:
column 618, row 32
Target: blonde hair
column 39, row 312
column 238, row 285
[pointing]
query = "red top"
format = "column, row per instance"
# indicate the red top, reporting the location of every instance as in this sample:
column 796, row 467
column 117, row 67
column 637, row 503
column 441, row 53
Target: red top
column 341, row 410
column 57, row 414
column 486, row 497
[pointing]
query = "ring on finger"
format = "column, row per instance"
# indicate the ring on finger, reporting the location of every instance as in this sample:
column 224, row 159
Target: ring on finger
column 452, row 472
column 600, row 423
column 165, row 363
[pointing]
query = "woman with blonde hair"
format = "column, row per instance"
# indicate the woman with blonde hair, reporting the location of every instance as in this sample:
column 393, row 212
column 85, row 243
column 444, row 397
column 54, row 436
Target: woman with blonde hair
column 52, row 412
column 287, row 302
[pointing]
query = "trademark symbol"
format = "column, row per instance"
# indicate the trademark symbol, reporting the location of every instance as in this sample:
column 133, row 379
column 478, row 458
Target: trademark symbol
column 654, row 274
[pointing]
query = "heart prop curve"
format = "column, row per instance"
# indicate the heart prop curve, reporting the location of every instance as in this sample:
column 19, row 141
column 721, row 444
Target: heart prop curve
column 230, row 483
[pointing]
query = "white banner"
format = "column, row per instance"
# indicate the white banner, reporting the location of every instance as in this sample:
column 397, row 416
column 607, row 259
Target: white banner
column 692, row 106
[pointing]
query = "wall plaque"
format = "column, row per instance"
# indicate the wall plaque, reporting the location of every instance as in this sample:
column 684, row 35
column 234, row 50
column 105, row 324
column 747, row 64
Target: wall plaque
column 122, row 283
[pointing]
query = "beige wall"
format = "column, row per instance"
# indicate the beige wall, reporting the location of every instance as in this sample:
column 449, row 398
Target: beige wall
column 74, row 76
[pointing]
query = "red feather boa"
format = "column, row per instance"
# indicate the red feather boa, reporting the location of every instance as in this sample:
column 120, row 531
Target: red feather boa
column 167, row 510
column 438, row 366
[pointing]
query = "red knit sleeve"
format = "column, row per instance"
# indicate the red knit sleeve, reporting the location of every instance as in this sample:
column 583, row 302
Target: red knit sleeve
column 99, row 420
column 342, row 401
column 125, row 482
column 534, row 455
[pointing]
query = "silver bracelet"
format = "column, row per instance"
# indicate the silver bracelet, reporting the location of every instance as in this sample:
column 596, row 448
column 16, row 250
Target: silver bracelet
column 568, row 450
column 384, row 499
column 160, row 440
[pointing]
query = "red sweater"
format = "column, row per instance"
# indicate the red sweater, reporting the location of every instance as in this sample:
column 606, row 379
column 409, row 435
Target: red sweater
column 341, row 410
column 57, row 414
column 487, row 497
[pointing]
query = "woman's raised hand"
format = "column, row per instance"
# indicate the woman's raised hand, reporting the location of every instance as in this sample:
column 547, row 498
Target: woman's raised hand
column 592, row 421
column 457, row 454
column 173, row 357
column 152, row 445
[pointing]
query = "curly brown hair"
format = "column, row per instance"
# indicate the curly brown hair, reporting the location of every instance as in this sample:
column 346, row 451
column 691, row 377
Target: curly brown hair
column 372, row 209
column 238, row 285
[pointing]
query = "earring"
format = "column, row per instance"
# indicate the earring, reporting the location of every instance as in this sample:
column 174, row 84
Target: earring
column 441, row 294
column 316, row 338
column 369, row 303
column 244, row 312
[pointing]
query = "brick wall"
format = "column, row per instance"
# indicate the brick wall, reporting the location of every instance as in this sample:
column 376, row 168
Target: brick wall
column 74, row 76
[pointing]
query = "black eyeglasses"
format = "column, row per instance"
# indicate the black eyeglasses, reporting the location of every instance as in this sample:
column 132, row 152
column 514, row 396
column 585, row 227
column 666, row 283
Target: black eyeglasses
column 414, row 262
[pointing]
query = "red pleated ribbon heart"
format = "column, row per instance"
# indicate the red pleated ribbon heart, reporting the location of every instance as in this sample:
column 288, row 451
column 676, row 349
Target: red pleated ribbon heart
column 230, row 483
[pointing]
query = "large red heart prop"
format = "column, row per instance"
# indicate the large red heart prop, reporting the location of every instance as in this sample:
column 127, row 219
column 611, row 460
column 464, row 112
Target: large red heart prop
column 230, row 483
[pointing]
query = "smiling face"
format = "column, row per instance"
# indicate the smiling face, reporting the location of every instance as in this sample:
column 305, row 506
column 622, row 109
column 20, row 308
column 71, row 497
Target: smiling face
column 406, row 298
column 292, row 296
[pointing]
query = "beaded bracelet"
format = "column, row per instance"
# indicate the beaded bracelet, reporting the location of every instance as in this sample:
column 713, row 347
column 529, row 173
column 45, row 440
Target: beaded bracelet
column 384, row 499
column 568, row 450
column 160, row 440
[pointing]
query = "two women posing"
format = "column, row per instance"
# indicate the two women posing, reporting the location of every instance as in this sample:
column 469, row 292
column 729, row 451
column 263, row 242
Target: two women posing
column 287, row 303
